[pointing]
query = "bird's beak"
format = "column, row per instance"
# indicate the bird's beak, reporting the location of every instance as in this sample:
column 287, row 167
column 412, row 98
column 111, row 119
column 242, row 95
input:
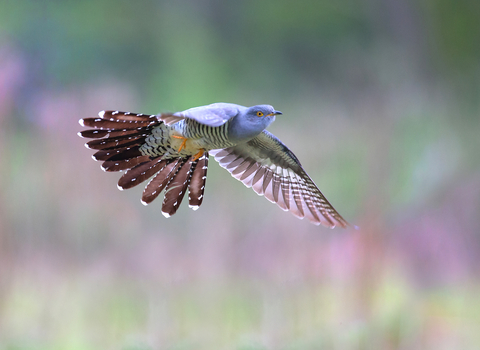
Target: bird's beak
column 274, row 113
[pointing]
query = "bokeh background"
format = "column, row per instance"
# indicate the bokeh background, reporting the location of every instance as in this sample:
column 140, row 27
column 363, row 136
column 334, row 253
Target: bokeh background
column 381, row 102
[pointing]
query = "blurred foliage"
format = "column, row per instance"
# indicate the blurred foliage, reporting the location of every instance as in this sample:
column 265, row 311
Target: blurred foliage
column 381, row 103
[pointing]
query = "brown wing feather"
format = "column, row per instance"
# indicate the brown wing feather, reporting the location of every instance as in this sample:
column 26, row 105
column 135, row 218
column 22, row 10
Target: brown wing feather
column 196, row 188
column 118, row 154
column 159, row 181
column 118, row 137
column 99, row 133
column 140, row 173
column 114, row 120
column 176, row 188
column 127, row 116
column 115, row 142
column 118, row 165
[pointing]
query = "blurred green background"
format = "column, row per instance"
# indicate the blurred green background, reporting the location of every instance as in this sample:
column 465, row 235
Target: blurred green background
column 381, row 102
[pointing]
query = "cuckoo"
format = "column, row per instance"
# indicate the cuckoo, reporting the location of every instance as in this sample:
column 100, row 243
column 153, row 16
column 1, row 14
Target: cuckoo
column 173, row 150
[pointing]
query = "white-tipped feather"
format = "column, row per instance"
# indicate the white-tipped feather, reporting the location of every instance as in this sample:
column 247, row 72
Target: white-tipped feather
column 258, row 187
column 281, row 202
column 269, row 192
column 248, row 181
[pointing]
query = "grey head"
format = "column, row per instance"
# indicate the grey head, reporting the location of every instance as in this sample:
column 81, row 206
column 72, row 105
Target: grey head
column 250, row 122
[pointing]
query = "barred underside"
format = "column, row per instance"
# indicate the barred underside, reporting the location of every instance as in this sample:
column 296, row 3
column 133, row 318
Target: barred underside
column 213, row 137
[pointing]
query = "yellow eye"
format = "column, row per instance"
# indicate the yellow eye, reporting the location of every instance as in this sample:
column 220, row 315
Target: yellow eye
column 259, row 114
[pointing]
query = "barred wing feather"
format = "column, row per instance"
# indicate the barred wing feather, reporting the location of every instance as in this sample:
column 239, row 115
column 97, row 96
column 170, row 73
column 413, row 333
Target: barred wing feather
column 272, row 170
column 117, row 138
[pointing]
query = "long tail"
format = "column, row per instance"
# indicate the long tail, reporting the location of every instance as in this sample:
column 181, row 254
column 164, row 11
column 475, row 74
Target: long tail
column 118, row 137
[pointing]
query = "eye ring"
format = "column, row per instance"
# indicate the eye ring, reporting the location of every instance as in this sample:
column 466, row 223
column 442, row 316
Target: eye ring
column 259, row 114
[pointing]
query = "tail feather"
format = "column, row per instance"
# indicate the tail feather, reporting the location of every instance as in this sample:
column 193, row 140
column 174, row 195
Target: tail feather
column 116, row 142
column 127, row 116
column 158, row 183
column 117, row 139
column 176, row 188
column 120, row 120
column 93, row 133
column 140, row 173
column 114, row 124
column 196, row 186
column 118, row 154
column 99, row 133
column 118, row 165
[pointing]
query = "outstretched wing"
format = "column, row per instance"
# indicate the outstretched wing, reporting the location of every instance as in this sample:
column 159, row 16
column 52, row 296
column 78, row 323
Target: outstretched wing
column 118, row 137
column 215, row 114
column 271, row 169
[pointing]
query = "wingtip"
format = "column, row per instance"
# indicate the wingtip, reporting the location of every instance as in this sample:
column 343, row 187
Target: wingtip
column 120, row 187
column 81, row 122
column 101, row 114
column 346, row 225
column 194, row 207
column 167, row 215
column 143, row 202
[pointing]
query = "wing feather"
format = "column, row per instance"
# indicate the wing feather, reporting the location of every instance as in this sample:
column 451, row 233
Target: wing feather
column 271, row 169
column 176, row 189
column 140, row 172
column 196, row 187
column 160, row 180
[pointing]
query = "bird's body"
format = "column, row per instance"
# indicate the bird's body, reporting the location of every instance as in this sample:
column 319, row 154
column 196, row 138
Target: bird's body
column 175, row 148
column 166, row 140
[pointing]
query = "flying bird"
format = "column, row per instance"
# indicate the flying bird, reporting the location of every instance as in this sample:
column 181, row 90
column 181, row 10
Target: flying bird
column 173, row 150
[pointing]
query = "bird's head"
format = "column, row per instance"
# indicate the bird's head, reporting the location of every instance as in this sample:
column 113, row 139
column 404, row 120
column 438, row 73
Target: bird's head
column 262, row 114
column 251, row 122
